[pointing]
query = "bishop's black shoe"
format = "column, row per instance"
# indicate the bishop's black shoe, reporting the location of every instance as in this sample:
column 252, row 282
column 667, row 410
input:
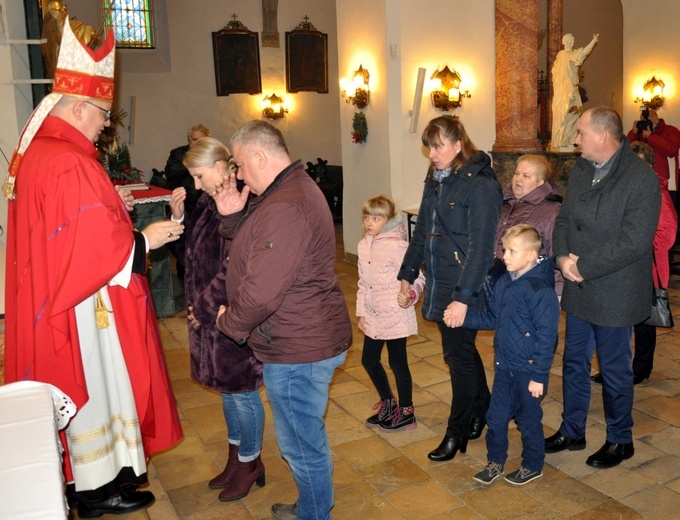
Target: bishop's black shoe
column 122, row 504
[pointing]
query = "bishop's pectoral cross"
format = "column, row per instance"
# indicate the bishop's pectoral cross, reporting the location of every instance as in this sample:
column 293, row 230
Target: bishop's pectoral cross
column 270, row 31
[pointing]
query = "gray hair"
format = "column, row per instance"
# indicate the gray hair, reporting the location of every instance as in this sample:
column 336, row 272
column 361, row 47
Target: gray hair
column 606, row 118
column 261, row 134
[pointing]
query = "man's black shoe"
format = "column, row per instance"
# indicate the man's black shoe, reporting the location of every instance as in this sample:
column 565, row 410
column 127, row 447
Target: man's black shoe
column 125, row 503
column 611, row 455
column 559, row 442
column 597, row 378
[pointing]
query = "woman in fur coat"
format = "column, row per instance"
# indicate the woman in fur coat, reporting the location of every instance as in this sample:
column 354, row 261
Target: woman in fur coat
column 216, row 360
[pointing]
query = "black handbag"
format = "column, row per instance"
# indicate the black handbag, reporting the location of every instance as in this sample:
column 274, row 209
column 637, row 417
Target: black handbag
column 494, row 273
column 661, row 315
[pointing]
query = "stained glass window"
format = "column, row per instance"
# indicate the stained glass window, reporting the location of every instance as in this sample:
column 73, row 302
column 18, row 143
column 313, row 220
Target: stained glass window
column 132, row 22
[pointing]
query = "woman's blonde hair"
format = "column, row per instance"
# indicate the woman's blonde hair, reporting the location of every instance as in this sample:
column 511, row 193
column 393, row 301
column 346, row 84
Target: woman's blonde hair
column 379, row 206
column 206, row 152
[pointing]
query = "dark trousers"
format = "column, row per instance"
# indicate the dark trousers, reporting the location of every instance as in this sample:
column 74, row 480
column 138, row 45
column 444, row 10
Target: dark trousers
column 396, row 353
column 614, row 354
column 468, row 379
column 645, row 344
column 510, row 398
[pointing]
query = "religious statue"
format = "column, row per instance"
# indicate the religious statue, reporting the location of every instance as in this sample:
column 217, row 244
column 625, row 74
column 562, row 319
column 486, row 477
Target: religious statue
column 566, row 105
column 53, row 28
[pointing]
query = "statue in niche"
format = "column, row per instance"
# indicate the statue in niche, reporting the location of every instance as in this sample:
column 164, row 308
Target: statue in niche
column 566, row 105
column 53, row 28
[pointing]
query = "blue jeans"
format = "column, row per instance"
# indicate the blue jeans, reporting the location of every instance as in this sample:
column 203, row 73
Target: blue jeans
column 510, row 397
column 244, row 414
column 298, row 394
column 614, row 354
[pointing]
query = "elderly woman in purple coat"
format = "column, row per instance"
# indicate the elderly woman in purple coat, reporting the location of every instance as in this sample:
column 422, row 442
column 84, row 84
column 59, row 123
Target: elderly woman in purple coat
column 530, row 199
column 216, row 361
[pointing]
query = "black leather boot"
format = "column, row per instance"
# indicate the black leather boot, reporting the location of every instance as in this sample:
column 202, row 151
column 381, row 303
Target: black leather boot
column 448, row 448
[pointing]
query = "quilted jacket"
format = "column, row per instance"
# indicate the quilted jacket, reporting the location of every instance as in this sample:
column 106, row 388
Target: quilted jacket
column 525, row 313
column 380, row 257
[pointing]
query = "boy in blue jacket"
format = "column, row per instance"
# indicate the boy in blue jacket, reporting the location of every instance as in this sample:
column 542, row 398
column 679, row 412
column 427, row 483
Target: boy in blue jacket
column 524, row 311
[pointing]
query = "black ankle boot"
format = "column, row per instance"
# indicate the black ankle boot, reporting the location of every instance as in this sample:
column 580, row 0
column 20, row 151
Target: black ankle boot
column 448, row 448
column 477, row 427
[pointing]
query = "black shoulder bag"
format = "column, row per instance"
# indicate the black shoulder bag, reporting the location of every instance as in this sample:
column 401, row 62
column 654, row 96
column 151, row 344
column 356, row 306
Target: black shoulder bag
column 661, row 315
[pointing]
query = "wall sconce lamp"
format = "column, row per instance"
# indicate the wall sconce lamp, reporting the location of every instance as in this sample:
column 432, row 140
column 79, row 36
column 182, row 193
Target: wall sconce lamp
column 273, row 107
column 356, row 91
column 651, row 94
column 446, row 92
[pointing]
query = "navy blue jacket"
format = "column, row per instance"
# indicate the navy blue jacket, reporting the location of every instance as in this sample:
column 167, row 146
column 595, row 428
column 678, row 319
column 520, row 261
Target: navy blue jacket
column 525, row 313
column 470, row 202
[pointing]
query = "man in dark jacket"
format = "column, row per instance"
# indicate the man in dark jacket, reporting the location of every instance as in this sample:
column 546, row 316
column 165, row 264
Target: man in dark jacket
column 285, row 300
column 603, row 247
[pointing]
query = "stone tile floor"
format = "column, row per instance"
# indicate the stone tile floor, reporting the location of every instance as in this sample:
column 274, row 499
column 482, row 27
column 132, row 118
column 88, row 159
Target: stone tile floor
column 388, row 476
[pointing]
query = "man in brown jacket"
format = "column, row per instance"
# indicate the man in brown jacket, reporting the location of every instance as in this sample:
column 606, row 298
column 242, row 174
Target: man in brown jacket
column 285, row 301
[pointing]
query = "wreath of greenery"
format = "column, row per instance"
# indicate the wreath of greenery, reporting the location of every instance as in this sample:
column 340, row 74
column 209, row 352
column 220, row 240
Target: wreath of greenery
column 359, row 128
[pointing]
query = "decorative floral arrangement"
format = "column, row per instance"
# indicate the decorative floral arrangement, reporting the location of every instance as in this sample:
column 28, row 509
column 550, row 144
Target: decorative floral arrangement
column 359, row 127
column 114, row 156
column 117, row 163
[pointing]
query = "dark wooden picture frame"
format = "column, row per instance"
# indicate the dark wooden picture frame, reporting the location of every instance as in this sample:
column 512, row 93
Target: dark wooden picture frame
column 236, row 51
column 306, row 60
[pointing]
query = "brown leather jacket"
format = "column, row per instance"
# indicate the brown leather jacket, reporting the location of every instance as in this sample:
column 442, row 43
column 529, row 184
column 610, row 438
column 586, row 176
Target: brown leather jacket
column 284, row 297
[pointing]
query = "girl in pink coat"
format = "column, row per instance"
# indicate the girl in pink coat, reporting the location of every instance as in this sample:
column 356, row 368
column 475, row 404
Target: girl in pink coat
column 386, row 314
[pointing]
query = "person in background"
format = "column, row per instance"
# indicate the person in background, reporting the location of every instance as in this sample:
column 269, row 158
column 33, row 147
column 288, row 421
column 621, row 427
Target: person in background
column 216, row 360
column 286, row 302
column 664, row 140
column 79, row 313
column 524, row 311
column 530, row 198
column 386, row 312
column 454, row 236
column 178, row 176
column 664, row 238
column 603, row 246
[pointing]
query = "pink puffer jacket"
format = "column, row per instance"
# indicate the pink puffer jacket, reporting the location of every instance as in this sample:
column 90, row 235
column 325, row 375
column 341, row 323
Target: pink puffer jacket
column 380, row 258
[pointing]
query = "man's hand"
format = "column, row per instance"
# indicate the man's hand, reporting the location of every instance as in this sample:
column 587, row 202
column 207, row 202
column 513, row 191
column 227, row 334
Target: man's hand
column 229, row 200
column 221, row 311
column 160, row 233
column 126, row 196
column 567, row 266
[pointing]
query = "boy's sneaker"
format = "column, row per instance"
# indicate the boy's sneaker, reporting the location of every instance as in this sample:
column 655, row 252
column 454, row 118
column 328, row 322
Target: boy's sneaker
column 385, row 409
column 522, row 476
column 401, row 419
column 490, row 474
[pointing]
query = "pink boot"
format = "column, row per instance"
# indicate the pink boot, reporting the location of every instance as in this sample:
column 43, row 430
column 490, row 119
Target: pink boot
column 222, row 480
column 246, row 474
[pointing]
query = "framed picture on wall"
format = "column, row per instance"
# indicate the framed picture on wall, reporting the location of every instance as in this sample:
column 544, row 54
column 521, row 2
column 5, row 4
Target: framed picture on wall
column 236, row 51
column 306, row 59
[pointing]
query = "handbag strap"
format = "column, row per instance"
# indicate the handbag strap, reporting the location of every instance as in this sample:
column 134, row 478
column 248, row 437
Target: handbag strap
column 656, row 270
column 445, row 225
